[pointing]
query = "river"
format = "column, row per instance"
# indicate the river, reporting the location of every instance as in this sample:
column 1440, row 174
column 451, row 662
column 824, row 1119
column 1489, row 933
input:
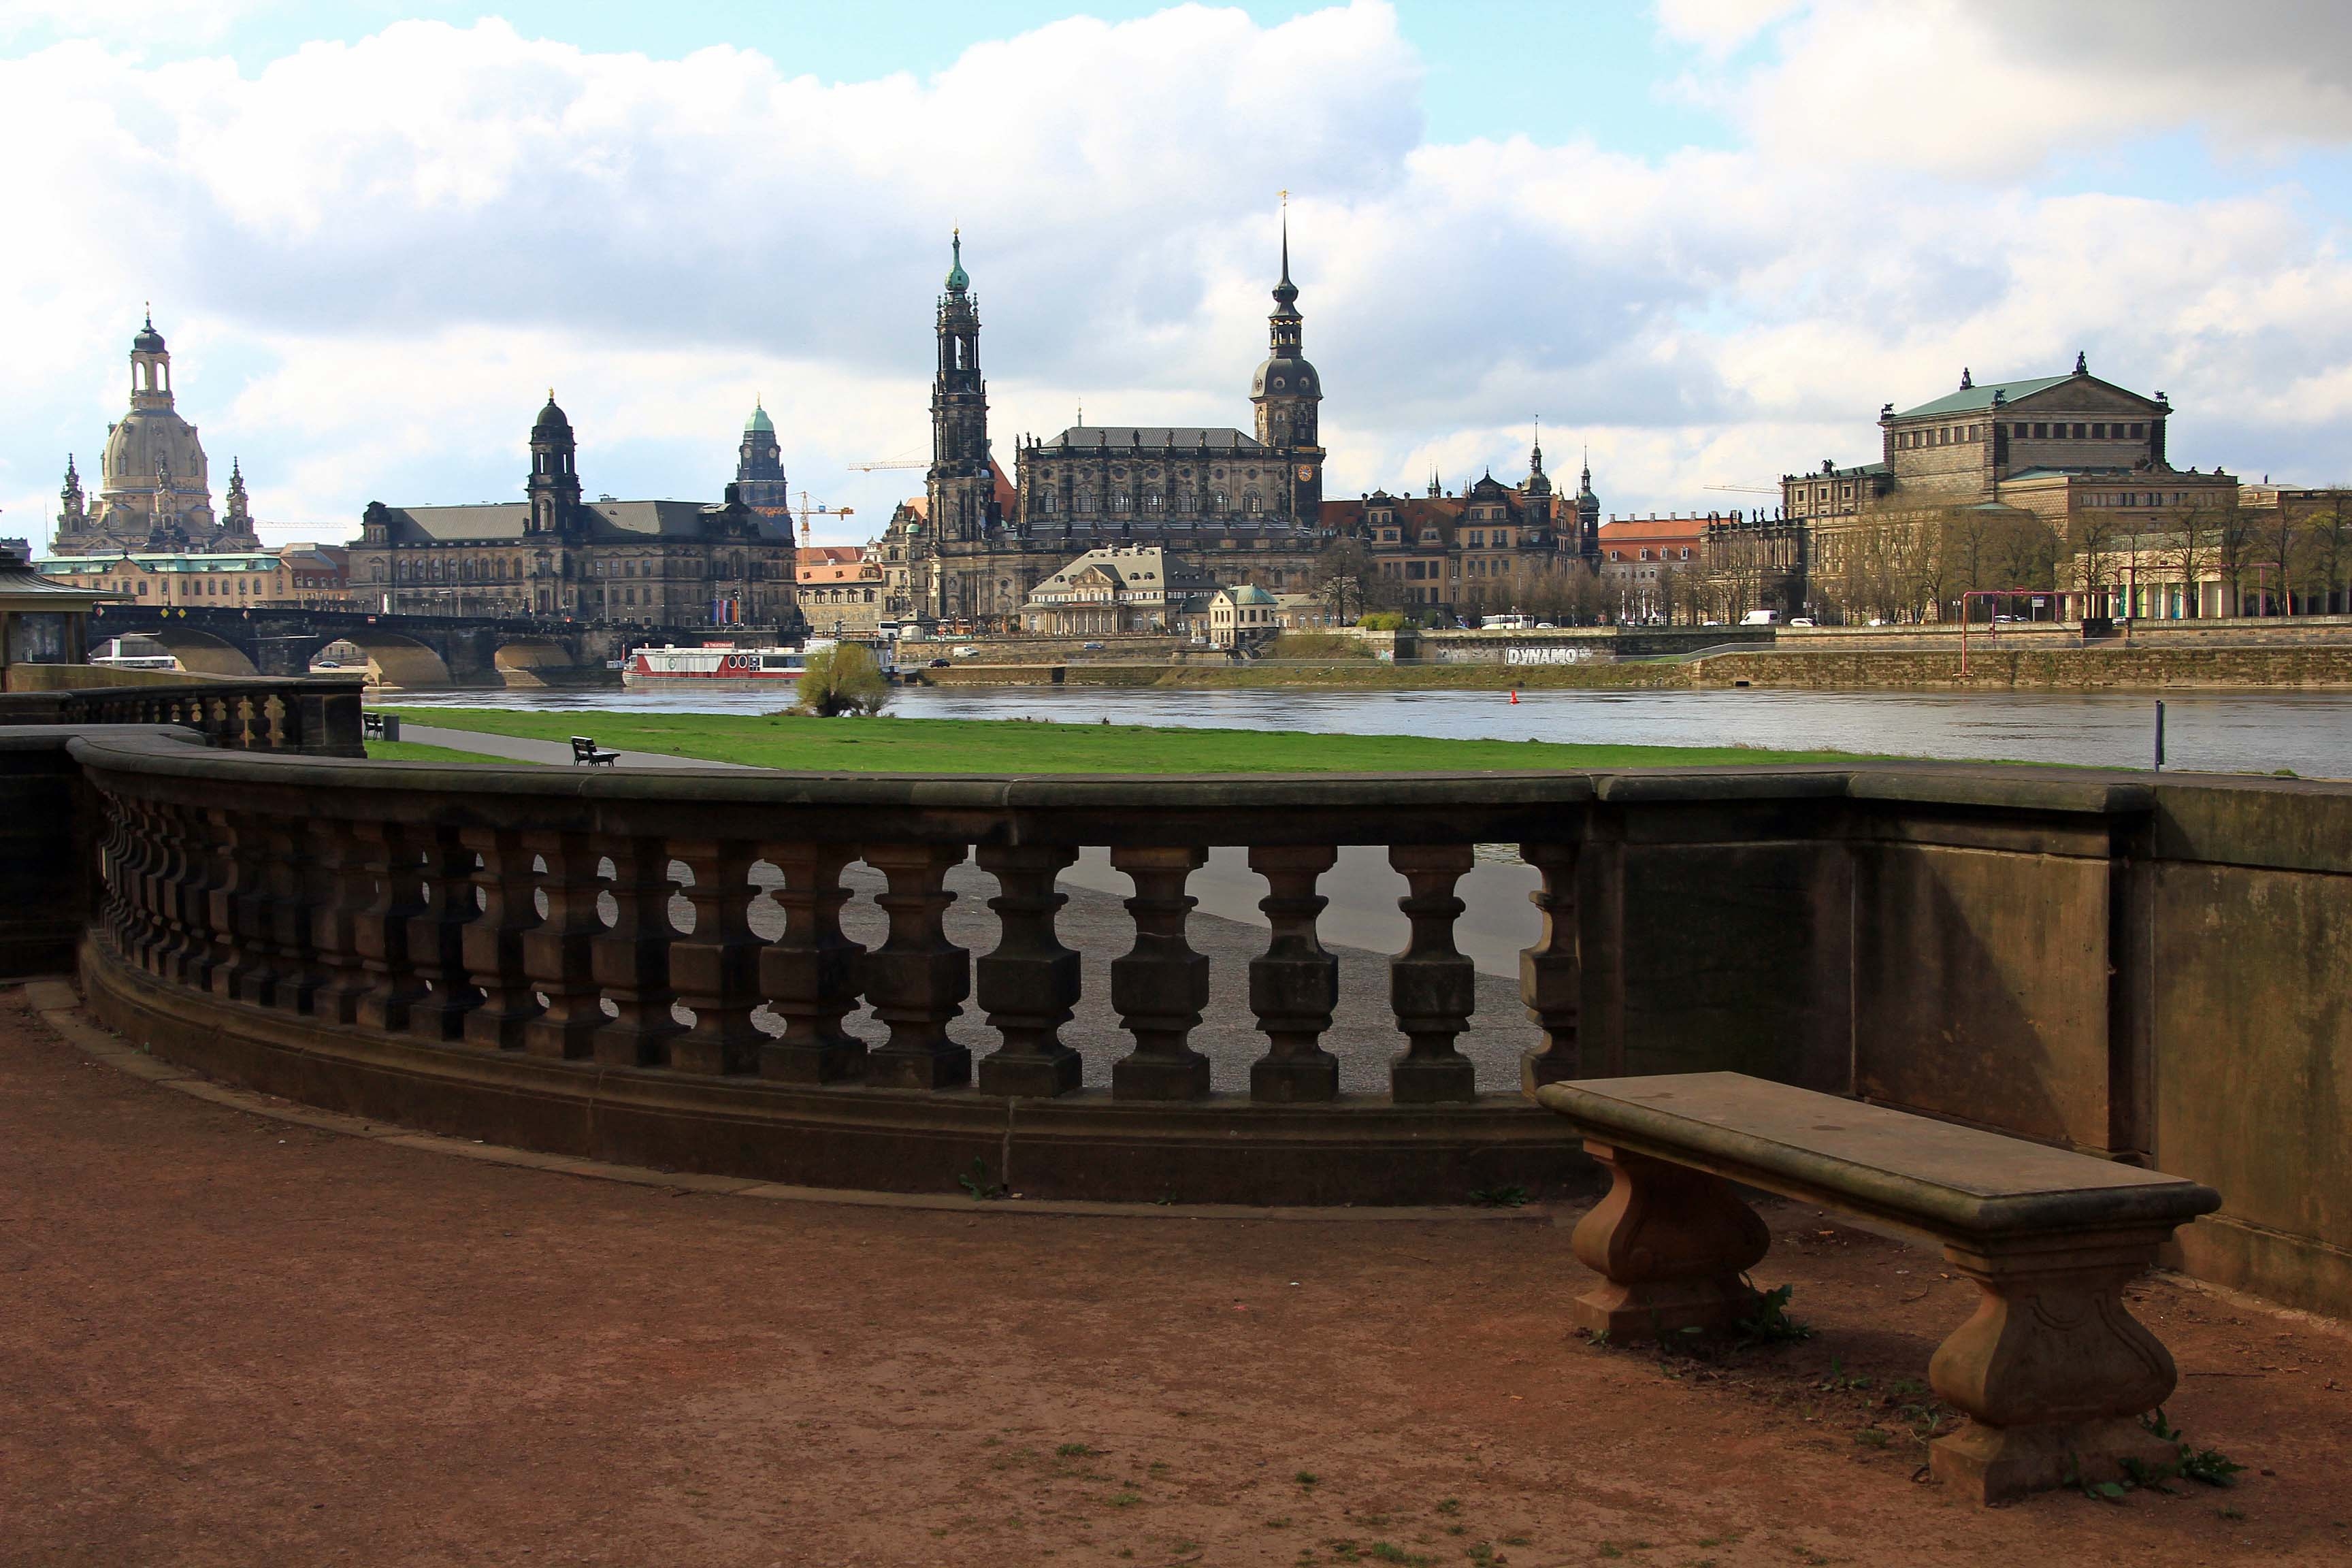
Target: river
column 2219, row 731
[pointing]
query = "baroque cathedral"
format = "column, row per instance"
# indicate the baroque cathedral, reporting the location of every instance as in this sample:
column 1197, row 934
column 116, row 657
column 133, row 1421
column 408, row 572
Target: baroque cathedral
column 1243, row 506
column 1245, row 503
column 155, row 490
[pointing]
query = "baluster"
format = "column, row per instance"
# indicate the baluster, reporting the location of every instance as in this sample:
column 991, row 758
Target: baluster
column 1432, row 987
column 1295, row 985
column 240, row 909
column 717, row 970
column 555, row 953
column 1551, row 972
column 349, row 885
column 296, row 888
column 918, row 979
column 171, row 884
column 436, row 936
column 1029, row 985
column 631, row 961
column 380, row 930
column 492, row 942
column 811, row 972
column 1161, row 985
column 139, row 928
column 113, row 850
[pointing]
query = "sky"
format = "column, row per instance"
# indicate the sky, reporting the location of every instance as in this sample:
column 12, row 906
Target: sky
column 1702, row 240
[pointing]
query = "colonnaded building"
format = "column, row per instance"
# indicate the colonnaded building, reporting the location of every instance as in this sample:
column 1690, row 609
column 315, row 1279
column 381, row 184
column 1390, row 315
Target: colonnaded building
column 655, row 563
column 155, row 490
column 1241, row 506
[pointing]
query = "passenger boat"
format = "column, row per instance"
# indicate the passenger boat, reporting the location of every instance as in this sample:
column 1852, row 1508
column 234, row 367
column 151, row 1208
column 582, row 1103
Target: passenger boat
column 726, row 664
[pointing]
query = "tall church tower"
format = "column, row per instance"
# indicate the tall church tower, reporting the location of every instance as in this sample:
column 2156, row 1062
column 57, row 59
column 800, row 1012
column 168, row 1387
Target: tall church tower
column 759, row 464
column 1588, row 515
column 554, row 487
column 961, row 485
column 1288, row 395
column 236, row 526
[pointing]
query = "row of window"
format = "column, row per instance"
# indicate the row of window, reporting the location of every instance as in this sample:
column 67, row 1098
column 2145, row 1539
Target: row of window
column 1662, row 554
column 205, row 587
column 1213, row 503
column 2027, row 431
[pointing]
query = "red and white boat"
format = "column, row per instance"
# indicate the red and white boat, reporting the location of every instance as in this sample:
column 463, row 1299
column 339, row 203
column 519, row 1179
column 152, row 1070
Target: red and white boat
column 726, row 664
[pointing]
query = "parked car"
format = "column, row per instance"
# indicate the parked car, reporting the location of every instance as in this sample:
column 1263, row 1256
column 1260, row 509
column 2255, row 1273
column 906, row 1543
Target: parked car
column 967, row 651
column 2004, row 620
column 1090, row 646
column 1801, row 621
column 936, row 664
column 1546, row 626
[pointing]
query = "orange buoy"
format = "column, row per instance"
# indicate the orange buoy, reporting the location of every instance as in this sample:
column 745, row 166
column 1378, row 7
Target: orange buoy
column 1514, row 697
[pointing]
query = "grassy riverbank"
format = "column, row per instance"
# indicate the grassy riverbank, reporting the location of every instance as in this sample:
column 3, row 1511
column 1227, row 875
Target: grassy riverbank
column 1022, row 746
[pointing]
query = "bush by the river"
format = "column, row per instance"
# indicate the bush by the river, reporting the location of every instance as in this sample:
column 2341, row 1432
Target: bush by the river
column 842, row 679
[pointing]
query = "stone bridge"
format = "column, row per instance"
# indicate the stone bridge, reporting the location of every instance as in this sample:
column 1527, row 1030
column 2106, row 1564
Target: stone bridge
column 406, row 650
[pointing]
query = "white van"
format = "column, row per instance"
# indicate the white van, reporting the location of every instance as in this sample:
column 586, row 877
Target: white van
column 1761, row 619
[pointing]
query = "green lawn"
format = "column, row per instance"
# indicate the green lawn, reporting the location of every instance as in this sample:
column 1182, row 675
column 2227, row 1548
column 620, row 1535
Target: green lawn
column 411, row 752
column 1021, row 746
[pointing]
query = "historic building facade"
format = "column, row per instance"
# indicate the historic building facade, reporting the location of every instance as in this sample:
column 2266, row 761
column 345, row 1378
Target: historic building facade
column 1243, row 507
column 2081, row 457
column 1121, row 589
column 552, row 554
column 155, row 490
column 1241, row 504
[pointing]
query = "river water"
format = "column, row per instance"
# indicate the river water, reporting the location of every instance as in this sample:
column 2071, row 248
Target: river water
column 2219, row 731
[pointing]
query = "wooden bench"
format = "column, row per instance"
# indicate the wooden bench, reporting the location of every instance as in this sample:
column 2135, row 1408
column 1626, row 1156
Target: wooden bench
column 2052, row 1370
column 583, row 750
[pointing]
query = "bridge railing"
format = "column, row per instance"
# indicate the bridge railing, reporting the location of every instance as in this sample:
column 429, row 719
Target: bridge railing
column 312, row 716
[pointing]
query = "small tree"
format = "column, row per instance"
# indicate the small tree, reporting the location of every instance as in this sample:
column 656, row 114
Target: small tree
column 842, row 679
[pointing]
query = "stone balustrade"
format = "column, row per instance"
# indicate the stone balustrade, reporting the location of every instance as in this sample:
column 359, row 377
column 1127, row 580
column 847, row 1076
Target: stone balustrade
column 313, row 715
column 784, row 977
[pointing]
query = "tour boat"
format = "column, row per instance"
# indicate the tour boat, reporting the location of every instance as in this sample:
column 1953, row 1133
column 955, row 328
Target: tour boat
column 729, row 665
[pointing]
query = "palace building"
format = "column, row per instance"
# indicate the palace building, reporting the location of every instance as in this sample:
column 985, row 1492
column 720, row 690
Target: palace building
column 552, row 554
column 155, row 491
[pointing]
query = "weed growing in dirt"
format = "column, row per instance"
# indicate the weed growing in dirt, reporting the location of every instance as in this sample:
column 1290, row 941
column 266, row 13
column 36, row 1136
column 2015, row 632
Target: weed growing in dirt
column 978, row 1182
column 1383, row 1552
column 1451, row 1505
column 1770, row 1323
column 1307, row 1478
column 2210, row 1466
column 1125, row 1499
column 1504, row 1197
column 1073, row 1451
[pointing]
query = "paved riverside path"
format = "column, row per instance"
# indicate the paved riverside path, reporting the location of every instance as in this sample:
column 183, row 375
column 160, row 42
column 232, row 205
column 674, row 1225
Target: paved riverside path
column 516, row 749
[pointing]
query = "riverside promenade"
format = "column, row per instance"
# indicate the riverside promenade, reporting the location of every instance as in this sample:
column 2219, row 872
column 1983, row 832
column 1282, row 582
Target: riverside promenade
column 237, row 1332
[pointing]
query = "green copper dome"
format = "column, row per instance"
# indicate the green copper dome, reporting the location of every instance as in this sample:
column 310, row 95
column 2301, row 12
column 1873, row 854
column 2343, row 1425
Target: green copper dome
column 958, row 280
column 759, row 424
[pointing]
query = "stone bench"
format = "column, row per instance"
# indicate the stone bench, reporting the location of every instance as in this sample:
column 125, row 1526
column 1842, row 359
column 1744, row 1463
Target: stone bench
column 2053, row 1371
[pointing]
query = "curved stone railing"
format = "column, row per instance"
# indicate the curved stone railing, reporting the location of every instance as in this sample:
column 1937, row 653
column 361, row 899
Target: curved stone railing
column 317, row 716
column 652, row 966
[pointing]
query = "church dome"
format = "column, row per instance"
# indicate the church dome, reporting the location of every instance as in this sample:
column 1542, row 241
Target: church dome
column 759, row 424
column 149, row 340
column 551, row 421
column 958, row 279
column 1286, row 377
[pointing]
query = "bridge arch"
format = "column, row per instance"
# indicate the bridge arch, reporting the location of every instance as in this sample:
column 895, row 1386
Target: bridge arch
column 534, row 661
column 392, row 659
column 202, row 653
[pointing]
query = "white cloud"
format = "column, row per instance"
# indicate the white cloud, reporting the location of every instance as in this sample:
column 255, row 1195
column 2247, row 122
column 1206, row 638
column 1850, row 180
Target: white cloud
column 373, row 259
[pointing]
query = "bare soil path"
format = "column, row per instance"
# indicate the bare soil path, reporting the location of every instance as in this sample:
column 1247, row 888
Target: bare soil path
column 225, row 1338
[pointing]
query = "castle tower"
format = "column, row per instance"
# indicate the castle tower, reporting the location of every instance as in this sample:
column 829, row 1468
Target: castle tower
column 72, row 515
column 554, row 485
column 961, row 485
column 237, row 525
column 1288, row 397
column 1588, row 516
column 759, row 464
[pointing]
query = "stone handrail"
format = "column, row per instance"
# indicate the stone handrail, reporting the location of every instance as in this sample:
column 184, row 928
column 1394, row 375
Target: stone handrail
column 314, row 716
column 2147, row 969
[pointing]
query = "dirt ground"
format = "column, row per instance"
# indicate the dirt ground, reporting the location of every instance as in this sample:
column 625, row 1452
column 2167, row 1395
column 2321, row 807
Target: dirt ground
column 230, row 1340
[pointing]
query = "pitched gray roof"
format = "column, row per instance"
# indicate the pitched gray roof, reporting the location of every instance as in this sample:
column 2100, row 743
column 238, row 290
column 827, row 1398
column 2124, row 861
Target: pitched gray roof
column 1218, row 438
column 610, row 522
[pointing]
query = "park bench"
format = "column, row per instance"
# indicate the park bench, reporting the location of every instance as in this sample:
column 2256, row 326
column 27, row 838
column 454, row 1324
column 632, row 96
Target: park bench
column 2052, row 1370
column 380, row 726
column 583, row 750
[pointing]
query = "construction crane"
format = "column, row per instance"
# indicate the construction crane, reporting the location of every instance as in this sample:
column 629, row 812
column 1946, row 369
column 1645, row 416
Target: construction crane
column 890, row 463
column 1748, row 489
column 804, row 512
